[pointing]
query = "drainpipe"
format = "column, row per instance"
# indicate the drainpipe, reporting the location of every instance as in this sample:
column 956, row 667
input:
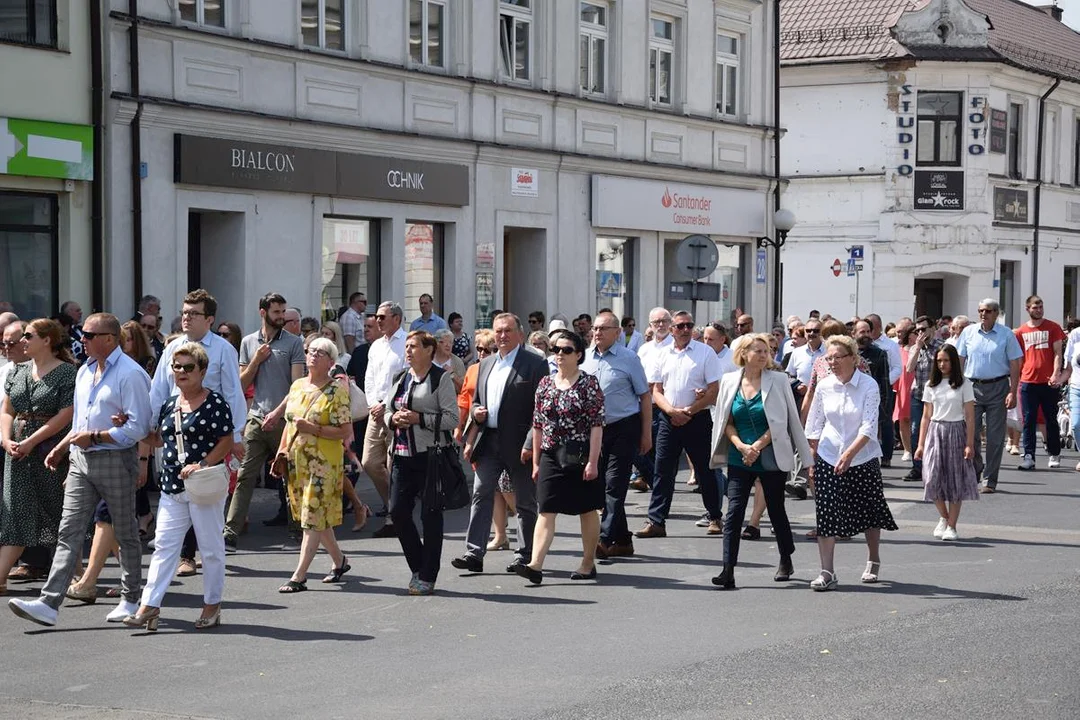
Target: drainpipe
column 97, row 185
column 136, row 155
column 1038, row 187
column 777, row 281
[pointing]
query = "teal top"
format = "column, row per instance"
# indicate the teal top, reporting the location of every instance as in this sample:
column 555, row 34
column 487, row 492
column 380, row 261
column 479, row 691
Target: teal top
column 751, row 424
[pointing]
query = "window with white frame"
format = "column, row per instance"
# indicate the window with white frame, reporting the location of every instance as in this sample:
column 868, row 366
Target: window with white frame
column 322, row 23
column 592, row 59
column 661, row 59
column 515, row 28
column 427, row 32
column 728, row 51
column 203, row 12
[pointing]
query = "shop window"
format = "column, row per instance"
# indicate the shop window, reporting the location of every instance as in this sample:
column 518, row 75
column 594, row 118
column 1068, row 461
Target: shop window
column 939, row 126
column 515, row 35
column 1007, row 291
column 203, row 12
column 350, row 262
column 29, row 249
column 661, row 59
column 30, row 22
column 1076, row 153
column 1015, row 166
column 322, row 23
column 427, row 30
column 728, row 50
column 614, row 275
column 592, row 59
column 424, row 267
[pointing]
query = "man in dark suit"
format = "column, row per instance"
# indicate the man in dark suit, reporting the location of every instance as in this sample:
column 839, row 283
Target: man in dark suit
column 878, row 362
column 499, row 438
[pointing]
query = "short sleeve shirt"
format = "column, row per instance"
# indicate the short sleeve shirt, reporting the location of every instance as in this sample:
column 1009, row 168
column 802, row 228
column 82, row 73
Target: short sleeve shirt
column 1038, row 346
column 681, row 372
column 948, row 401
column 274, row 378
column 202, row 429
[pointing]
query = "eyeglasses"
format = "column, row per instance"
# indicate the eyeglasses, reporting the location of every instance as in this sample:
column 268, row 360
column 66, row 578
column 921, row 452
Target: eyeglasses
column 836, row 358
column 658, row 323
column 27, row 335
column 987, row 310
column 924, row 328
column 484, row 351
column 565, row 349
column 683, row 326
column 380, row 317
column 534, row 321
column 184, row 367
column 224, row 333
column 318, row 353
column 812, row 332
column 598, row 328
column 743, row 324
column 9, row 343
column 87, row 335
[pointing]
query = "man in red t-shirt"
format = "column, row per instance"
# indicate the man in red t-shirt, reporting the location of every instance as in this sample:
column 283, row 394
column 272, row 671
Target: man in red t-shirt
column 1040, row 378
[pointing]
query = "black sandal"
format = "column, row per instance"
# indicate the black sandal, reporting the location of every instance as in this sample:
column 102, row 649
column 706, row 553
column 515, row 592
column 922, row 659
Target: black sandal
column 337, row 573
column 751, row 533
column 293, row 587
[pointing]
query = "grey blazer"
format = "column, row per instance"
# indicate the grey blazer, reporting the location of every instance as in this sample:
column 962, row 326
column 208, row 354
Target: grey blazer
column 781, row 412
column 430, row 403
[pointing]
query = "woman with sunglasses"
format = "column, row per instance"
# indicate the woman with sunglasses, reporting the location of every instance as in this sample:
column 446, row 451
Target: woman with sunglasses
column 196, row 433
column 568, row 427
column 35, row 414
column 317, row 421
column 842, row 430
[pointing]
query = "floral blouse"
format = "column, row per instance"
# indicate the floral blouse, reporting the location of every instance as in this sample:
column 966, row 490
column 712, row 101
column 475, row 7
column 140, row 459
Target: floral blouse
column 569, row 414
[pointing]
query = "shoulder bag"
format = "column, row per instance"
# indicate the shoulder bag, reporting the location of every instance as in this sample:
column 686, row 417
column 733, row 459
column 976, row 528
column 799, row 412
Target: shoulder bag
column 206, row 486
column 446, row 487
column 279, row 467
column 358, row 404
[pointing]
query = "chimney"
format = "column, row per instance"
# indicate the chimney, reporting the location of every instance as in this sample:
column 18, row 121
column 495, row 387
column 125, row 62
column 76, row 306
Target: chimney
column 1052, row 10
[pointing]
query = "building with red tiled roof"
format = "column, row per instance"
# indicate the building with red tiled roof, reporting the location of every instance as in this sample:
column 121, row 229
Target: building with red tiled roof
column 936, row 142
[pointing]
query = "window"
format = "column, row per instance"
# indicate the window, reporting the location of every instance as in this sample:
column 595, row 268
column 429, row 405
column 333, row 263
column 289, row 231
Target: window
column 426, row 32
column 728, row 47
column 322, row 23
column 515, row 26
column 939, row 126
column 614, row 276
column 1071, row 300
column 661, row 59
column 203, row 12
column 29, row 250
column 32, row 22
column 350, row 262
column 423, row 267
column 1016, row 113
column 592, row 60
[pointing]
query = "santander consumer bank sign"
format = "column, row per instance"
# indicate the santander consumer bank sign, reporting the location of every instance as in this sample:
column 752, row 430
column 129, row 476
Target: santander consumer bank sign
column 633, row 204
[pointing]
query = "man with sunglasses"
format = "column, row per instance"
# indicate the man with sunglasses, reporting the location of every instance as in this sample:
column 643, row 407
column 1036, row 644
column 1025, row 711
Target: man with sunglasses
column 801, row 364
column 660, row 324
column 921, row 360
column 222, row 373
column 685, row 378
column 104, row 464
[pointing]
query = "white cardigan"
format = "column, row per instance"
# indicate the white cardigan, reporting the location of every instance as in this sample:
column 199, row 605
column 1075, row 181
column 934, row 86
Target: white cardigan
column 780, row 411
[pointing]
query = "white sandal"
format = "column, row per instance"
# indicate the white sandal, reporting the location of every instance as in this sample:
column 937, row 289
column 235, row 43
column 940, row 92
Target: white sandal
column 870, row 575
column 825, row 581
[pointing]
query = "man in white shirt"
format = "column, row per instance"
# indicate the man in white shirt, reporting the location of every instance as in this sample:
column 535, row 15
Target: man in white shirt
column 352, row 322
column 385, row 360
column 802, row 360
column 956, row 327
column 685, row 378
column 716, row 337
column 660, row 322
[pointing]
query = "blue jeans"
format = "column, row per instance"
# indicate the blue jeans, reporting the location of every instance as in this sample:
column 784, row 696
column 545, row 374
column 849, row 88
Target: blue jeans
column 1032, row 397
column 694, row 439
column 916, row 421
column 1074, row 411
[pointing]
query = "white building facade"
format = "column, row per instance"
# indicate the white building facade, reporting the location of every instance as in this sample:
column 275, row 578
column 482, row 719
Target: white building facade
column 515, row 154
column 913, row 155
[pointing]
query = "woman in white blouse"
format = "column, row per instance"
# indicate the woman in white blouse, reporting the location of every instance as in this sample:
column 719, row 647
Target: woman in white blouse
column 842, row 430
column 947, row 442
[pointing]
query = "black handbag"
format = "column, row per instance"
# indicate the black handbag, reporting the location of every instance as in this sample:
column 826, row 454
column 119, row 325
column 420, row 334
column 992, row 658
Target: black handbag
column 571, row 454
column 446, row 488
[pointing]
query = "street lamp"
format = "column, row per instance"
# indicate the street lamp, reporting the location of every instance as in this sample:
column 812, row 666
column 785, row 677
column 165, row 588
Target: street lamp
column 783, row 221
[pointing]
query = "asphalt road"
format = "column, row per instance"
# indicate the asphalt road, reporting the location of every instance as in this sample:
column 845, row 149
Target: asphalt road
column 988, row 627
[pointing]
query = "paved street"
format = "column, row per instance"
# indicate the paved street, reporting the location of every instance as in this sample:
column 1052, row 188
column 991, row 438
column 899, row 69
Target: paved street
column 985, row 628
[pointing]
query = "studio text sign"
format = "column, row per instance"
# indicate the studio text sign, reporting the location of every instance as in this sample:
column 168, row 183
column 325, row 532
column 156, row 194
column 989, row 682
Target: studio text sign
column 221, row 162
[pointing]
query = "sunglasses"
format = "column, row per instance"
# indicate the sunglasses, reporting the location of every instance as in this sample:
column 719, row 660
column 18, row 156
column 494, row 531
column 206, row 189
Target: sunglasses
column 91, row 335
column 184, row 367
column 683, row 326
column 600, row 328
column 812, row 332
column 380, row 317
column 9, row 343
column 565, row 349
column 27, row 335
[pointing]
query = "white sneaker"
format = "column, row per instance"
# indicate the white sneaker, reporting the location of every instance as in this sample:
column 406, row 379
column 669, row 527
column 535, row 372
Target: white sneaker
column 1028, row 463
column 703, row 521
column 1054, row 461
column 950, row 534
column 906, row 457
column 942, row 526
column 1014, row 449
column 1078, row 467
column 121, row 611
column 34, row 611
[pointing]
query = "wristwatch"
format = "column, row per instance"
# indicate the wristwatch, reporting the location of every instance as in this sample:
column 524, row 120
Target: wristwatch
column 202, row 464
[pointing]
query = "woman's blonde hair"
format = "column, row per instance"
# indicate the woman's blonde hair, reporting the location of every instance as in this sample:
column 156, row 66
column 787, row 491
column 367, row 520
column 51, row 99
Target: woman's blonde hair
column 325, row 345
column 196, row 352
column 483, row 337
column 848, row 343
column 742, row 349
column 339, row 337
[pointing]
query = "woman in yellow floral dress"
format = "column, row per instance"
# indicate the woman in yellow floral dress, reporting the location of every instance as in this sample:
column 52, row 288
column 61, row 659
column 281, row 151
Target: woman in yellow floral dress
column 318, row 420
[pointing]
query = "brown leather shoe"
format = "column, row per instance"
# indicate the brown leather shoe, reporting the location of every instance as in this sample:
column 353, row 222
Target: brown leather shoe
column 621, row 549
column 651, row 530
column 639, row 485
column 602, row 551
column 715, row 528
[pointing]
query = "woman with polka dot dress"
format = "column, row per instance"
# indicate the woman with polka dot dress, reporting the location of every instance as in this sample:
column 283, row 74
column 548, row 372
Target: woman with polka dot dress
column 842, row 430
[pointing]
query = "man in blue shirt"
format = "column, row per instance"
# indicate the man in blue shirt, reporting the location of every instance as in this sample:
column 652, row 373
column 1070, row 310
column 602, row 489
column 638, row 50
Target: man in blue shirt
column 991, row 356
column 104, row 464
column 627, row 426
column 428, row 320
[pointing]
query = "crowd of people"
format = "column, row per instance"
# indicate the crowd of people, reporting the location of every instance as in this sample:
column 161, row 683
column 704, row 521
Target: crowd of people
column 563, row 417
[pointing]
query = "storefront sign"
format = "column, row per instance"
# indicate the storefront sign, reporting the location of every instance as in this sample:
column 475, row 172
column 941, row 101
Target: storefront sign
column 939, row 189
column 905, row 124
column 525, row 182
column 1011, row 205
column 485, row 256
column 281, row 168
column 632, row 204
column 35, row 148
column 485, row 299
column 977, row 126
column 999, row 131
column 346, row 239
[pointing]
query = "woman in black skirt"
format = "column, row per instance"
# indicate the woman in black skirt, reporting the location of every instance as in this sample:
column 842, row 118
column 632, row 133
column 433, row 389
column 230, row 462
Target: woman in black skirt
column 567, row 432
column 842, row 430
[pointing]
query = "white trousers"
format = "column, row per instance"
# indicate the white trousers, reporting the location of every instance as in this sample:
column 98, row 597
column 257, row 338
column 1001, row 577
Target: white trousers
column 174, row 516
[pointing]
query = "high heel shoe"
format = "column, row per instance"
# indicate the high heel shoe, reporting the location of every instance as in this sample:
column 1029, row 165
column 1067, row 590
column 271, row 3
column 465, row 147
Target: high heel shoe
column 208, row 622
column 726, row 579
column 148, row 619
